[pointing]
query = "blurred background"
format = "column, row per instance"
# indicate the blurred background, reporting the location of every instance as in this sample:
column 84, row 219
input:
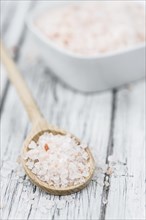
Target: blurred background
column 116, row 31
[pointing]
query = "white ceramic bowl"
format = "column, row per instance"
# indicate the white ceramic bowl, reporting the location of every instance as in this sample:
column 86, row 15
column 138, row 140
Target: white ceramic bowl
column 89, row 73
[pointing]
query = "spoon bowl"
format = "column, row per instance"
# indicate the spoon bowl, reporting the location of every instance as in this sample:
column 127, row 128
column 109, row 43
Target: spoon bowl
column 36, row 132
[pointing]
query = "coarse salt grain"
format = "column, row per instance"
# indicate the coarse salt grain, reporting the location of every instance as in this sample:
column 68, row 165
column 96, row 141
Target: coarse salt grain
column 58, row 160
column 32, row 145
column 104, row 201
column 61, row 204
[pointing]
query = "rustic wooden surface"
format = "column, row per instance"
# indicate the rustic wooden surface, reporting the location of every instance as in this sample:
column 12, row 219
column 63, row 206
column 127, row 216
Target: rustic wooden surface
column 111, row 122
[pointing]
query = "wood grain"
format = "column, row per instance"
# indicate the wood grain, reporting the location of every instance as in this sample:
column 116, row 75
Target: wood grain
column 127, row 186
column 110, row 123
column 21, row 87
column 13, row 15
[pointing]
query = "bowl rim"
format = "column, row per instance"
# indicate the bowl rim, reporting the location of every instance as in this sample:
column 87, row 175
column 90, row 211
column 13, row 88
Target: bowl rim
column 31, row 26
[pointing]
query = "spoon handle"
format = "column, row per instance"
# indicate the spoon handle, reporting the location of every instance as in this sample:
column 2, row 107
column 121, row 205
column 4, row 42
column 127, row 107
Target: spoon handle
column 21, row 87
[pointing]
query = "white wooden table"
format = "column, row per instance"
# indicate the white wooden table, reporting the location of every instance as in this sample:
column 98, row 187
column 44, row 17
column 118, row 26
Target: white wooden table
column 111, row 122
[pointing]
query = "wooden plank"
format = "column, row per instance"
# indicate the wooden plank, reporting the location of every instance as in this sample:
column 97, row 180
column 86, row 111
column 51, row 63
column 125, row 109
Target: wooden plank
column 13, row 33
column 87, row 116
column 8, row 9
column 127, row 185
column 7, row 12
column 13, row 30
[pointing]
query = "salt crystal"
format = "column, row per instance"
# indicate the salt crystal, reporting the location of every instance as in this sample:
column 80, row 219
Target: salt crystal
column 31, row 196
column 34, row 170
column 50, row 204
column 32, row 145
column 105, row 201
column 85, row 156
column 61, row 204
column 84, row 146
column 30, row 164
column 106, row 184
column 101, row 183
column 106, row 178
column 32, row 202
column 43, row 210
column 85, row 174
column 112, row 158
column 42, row 172
column 18, row 159
column 34, row 206
column 20, row 180
column 21, row 173
column 25, row 156
column 69, row 198
column 109, row 171
column 104, row 167
column 2, row 205
column 28, row 183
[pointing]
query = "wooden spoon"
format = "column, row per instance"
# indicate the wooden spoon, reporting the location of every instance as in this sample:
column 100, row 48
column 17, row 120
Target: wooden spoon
column 39, row 126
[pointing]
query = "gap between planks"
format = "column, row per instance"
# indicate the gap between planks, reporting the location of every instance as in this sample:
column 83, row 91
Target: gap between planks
column 109, row 152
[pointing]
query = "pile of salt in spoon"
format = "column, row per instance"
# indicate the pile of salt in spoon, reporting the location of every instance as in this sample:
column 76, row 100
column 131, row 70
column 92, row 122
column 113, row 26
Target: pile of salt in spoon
column 58, row 160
